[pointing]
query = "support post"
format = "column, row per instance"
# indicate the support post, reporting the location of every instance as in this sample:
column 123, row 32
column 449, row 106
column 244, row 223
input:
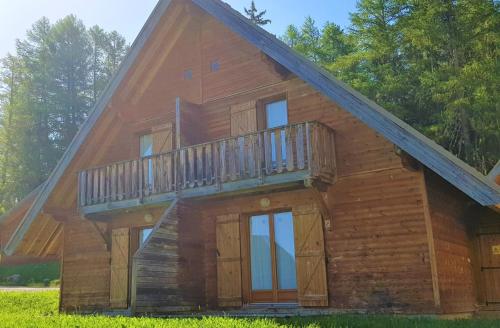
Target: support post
column 178, row 123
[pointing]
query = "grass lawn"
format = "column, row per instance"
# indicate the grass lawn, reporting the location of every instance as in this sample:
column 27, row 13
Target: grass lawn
column 39, row 309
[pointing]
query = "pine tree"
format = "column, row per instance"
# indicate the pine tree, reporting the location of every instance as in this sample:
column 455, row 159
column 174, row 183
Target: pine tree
column 46, row 91
column 321, row 46
column 255, row 16
column 434, row 63
column 11, row 78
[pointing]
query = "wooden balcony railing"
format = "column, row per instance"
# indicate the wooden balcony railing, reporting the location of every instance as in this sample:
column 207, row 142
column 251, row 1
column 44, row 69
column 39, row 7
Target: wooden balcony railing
column 305, row 146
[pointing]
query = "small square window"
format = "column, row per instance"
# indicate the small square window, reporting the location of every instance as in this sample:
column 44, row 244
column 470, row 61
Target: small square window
column 188, row 74
column 214, row 66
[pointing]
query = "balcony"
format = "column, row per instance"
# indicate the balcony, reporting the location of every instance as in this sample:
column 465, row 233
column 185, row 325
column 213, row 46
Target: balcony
column 273, row 158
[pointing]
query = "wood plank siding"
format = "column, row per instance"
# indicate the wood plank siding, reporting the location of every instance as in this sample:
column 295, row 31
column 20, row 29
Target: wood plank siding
column 454, row 233
column 374, row 229
column 377, row 244
column 166, row 271
column 86, row 267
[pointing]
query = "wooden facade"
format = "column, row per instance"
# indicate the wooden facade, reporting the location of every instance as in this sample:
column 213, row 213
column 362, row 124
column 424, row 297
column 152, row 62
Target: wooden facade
column 168, row 229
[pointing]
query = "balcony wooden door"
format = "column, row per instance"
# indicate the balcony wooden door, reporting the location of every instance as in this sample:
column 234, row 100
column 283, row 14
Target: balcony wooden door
column 163, row 138
column 243, row 118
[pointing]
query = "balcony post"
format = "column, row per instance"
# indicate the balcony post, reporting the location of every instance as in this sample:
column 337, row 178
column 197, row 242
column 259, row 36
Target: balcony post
column 141, row 181
column 310, row 164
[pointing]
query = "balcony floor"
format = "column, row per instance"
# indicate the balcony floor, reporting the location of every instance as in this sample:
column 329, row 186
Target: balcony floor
column 254, row 185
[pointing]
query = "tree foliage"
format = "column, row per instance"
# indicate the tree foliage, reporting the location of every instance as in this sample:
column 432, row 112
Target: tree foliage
column 255, row 16
column 433, row 63
column 46, row 91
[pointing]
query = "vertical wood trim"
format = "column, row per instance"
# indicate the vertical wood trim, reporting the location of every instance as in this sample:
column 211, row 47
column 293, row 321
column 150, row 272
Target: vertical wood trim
column 274, row 269
column 134, row 246
column 133, row 286
column 246, row 288
column 476, row 267
column 61, row 271
column 430, row 240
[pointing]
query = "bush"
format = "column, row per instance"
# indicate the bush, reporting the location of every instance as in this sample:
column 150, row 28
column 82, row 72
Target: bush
column 29, row 274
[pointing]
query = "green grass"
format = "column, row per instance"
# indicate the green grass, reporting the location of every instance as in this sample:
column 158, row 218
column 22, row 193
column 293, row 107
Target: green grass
column 39, row 309
column 30, row 274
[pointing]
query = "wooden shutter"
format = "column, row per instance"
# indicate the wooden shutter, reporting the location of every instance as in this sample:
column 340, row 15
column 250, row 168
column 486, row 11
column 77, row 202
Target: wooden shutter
column 228, row 260
column 312, row 287
column 243, row 118
column 163, row 138
column 120, row 240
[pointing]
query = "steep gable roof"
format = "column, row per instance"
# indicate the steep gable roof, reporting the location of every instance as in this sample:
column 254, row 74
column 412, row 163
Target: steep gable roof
column 435, row 157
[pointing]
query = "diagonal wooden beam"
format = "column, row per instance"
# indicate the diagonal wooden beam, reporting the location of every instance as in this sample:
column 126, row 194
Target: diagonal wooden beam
column 155, row 47
column 47, row 225
column 164, row 52
column 50, row 241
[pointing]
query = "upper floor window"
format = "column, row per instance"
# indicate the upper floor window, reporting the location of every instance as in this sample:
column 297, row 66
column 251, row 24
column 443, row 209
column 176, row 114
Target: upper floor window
column 188, row 74
column 214, row 66
column 276, row 113
column 146, row 148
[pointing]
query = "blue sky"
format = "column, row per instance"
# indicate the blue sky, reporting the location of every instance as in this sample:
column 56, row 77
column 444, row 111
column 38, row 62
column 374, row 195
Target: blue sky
column 128, row 16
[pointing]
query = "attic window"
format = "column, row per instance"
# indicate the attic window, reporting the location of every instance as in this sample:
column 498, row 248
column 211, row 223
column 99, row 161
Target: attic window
column 214, row 66
column 188, row 74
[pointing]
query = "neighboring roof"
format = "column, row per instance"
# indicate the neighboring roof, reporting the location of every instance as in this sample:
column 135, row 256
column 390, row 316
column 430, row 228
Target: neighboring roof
column 435, row 157
column 494, row 173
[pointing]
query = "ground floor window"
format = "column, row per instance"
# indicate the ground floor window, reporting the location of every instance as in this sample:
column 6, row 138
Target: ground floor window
column 272, row 257
column 144, row 234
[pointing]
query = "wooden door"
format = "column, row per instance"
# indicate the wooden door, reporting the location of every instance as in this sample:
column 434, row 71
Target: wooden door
column 243, row 118
column 228, row 260
column 310, row 256
column 119, row 285
column 163, row 138
column 490, row 266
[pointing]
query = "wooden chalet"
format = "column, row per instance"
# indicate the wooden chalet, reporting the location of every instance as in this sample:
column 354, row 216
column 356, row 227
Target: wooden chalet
column 222, row 171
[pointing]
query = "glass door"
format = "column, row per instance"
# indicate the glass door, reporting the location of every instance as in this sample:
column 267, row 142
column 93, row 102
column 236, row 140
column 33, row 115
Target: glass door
column 276, row 116
column 272, row 258
column 146, row 150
